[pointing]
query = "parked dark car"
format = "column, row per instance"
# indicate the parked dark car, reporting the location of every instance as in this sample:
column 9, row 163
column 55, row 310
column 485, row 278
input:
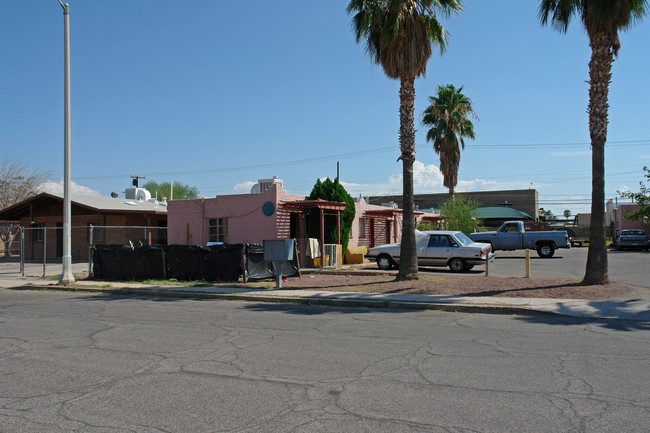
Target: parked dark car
column 633, row 238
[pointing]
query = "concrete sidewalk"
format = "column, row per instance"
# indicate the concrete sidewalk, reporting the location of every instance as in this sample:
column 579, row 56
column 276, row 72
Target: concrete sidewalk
column 636, row 308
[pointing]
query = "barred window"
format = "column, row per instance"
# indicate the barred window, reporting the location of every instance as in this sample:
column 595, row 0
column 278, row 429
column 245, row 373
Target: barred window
column 218, row 230
column 362, row 228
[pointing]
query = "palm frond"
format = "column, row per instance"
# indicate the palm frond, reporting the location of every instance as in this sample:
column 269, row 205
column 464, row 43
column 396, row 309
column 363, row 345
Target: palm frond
column 399, row 34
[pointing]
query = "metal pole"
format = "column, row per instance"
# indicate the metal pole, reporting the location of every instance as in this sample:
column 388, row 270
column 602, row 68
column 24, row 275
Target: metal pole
column 278, row 274
column 66, row 272
column 22, row 251
column 44, row 249
column 90, row 251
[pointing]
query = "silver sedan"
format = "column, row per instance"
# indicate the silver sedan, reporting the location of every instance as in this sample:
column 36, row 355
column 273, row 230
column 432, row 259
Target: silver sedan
column 437, row 248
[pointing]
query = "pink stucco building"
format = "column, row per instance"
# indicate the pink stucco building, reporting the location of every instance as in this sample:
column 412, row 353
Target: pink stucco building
column 621, row 223
column 237, row 218
column 274, row 214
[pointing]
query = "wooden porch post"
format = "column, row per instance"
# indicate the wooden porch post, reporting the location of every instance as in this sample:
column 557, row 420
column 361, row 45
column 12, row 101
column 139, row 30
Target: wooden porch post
column 322, row 238
column 338, row 226
column 394, row 228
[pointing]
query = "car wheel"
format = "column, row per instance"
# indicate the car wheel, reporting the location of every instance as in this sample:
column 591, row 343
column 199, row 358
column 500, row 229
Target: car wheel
column 457, row 265
column 385, row 262
column 545, row 251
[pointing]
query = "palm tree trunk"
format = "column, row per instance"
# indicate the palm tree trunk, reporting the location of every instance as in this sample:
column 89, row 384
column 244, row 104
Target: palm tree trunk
column 408, row 268
column 600, row 67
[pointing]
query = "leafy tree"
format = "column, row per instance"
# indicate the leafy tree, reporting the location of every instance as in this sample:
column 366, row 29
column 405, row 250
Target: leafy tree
column 399, row 35
column 448, row 119
column 18, row 182
column 163, row 189
column 334, row 191
column 457, row 214
column 566, row 213
column 602, row 19
column 546, row 215
column 642, row 198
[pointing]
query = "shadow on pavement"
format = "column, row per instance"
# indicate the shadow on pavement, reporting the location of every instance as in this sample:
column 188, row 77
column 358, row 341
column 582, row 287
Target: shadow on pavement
column 157, row 297
column 312, row 310
column 623, row 318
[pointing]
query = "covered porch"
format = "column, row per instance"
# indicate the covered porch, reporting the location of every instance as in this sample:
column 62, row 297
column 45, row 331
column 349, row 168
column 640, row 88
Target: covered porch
column 301, row 231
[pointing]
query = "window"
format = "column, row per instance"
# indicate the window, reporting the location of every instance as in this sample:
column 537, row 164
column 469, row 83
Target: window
column 362, row 228
column 437, row 241
column 441, row 241
column 38, row 232
column 463, row 239
column 218, row 230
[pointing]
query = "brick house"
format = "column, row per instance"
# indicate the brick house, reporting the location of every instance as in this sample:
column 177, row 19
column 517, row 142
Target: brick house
column 41, row 217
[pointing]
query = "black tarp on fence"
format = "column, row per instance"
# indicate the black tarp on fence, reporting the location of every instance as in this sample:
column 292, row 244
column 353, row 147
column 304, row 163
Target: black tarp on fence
column 184, row 262
column 180, row 262
column 259, row 269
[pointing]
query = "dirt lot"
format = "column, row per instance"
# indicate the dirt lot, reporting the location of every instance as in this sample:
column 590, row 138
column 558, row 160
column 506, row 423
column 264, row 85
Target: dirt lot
column 456, row 285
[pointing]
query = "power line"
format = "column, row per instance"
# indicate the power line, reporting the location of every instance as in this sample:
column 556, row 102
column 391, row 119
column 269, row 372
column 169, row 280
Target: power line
column 563, row 145
column 362, row 153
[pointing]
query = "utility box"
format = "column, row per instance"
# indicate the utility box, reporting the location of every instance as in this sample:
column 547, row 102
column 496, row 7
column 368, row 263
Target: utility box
column 278, row 250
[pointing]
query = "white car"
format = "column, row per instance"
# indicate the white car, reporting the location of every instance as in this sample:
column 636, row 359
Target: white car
column 437, row 248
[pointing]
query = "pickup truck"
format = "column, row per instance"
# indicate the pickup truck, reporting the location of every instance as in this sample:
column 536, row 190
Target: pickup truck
column 513, row 236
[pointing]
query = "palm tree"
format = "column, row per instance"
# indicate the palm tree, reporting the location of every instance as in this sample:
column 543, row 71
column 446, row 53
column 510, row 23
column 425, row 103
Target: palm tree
column 602, row 19
column 448, row 120
column 399, row 35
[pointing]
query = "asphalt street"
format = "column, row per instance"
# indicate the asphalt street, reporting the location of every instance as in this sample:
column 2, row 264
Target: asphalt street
column 100, row 363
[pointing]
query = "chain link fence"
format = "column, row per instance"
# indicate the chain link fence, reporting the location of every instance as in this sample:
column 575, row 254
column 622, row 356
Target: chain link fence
column 10, row 235
column 44, row 245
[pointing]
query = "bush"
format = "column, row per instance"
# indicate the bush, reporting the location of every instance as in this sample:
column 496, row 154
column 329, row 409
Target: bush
column 457, row 214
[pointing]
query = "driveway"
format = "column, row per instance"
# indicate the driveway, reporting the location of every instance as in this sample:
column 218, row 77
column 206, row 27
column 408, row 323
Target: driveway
column 626, row 267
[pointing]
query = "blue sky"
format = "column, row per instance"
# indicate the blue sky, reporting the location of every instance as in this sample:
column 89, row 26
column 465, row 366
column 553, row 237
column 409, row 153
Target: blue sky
column 218, row 94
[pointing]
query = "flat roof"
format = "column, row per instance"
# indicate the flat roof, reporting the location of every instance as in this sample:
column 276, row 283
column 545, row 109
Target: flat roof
column 500, row 212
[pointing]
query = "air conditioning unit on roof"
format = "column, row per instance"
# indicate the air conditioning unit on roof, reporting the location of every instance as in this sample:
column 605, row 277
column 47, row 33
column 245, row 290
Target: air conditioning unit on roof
column 139, row 194
column 264, row 184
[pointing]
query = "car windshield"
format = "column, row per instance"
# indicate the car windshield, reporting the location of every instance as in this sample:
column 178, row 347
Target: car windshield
column 632, row 232
column 463, row 239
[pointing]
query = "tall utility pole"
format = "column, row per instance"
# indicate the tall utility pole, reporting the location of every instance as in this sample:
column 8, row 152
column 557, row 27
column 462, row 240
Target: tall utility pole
column 66, row 272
